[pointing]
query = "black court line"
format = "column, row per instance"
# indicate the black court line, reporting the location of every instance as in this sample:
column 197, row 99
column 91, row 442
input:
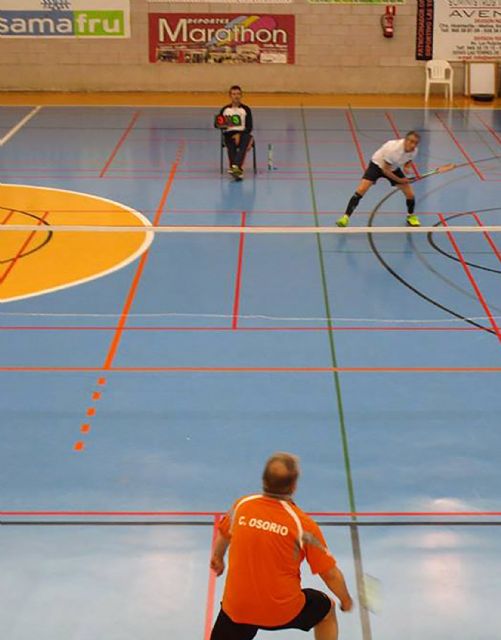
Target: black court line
column 445, row 253
column 36, row 248
column 210, row 523
column 406, row 283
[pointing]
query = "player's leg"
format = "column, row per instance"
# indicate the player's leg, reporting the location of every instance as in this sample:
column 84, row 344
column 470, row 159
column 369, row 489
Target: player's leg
column 225, row 629
column 327, row 629
column 410, row 201
column 242, row 149
column 230, row 142
column 364, row 185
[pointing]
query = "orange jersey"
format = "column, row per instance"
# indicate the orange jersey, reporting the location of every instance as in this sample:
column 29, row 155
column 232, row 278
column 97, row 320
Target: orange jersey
column 269, row 540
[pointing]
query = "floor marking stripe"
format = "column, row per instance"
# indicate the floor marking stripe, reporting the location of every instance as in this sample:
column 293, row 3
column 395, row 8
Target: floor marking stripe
column 119, row 143
column 238, row 277
column 19, row 125
column 460, row 147
column 211, row 588
column 162, row 513
column 24, row 246
column 469, row 275
column 358, row 147
column 223, row 329
column 140, row 268
column 174, row 369
column 488, row 237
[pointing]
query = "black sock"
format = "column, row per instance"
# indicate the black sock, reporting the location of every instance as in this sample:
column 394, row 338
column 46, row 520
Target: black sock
column 411, row 203
column 353, row 203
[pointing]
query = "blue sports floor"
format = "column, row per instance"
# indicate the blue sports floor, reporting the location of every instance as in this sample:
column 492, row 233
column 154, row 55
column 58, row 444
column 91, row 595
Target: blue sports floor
column 135, row 407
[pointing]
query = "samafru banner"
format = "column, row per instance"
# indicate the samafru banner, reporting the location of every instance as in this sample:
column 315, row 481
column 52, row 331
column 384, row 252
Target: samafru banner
column 64, row 18
column 222, row 38
column 458, row 30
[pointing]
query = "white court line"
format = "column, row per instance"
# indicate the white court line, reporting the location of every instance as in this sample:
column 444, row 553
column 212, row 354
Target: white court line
column 19, row 125
column 251, row 230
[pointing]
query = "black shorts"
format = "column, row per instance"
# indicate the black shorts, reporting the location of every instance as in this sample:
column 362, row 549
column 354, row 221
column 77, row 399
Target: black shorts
column 316, row 607
column 373, row 173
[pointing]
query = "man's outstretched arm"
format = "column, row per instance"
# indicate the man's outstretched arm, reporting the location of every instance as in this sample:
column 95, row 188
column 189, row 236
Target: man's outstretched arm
column 220, row 546
column 334, row 579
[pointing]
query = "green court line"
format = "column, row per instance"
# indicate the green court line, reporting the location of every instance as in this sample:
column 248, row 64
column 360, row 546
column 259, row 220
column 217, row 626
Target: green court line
column 332, row 346
column 354, row 533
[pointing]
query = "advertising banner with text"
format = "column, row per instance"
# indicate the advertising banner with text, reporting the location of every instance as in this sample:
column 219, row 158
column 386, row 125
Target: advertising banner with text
column 64, row 19
column 222, row 38
column 467, row 30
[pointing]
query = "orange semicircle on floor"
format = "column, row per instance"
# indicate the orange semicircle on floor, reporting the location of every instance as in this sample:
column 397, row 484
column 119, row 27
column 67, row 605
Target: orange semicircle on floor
column 36, row 262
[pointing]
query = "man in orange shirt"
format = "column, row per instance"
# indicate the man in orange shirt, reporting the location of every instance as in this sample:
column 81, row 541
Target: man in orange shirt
column 268, row 537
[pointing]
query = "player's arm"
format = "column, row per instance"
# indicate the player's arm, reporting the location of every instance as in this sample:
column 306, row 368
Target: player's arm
column 248, row 120
column 335, row 581
column 389, row 174
column 220, row 547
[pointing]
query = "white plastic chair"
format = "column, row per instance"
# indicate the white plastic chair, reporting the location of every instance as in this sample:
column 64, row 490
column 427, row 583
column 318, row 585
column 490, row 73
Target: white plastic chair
column 439, row 72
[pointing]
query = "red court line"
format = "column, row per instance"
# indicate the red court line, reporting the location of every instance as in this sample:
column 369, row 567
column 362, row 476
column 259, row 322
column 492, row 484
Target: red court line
column 211, row 588
column 238, row 277
column 489, row 129
column 174, row 369
column 12, row 264
column 120, row 143
column 393, row 125
column 217, row 514
column 488, row 238
column 470, row 277
column 140, row 268
column 460, row 147
column 7, row 217
column 351, row 125
column 222, row 329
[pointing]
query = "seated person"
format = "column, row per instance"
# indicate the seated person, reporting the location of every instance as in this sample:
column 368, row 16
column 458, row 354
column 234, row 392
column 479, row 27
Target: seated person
column 237, row 138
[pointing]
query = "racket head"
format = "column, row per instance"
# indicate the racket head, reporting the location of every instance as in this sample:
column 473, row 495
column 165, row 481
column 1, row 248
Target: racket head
column 371, row 597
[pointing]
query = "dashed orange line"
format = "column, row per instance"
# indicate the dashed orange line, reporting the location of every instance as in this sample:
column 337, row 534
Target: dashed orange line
column 119, row 329
column 79, row 446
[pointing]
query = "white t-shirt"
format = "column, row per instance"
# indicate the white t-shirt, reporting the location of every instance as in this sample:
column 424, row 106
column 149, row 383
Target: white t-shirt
column 235, row 111
column 394, row 154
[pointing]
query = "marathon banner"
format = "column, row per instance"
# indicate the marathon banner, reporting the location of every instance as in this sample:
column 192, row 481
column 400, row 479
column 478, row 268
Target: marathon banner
column 459, row 30
column 64, row 19
column 221, row 38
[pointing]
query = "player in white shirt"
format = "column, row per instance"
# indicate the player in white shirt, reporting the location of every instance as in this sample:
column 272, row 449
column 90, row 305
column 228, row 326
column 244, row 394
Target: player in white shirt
column 387, row 163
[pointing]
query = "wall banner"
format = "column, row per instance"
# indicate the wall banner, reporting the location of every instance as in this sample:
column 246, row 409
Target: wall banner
column 459, row 30
column 222, row 38
column 64, row 19
column 373, row 2
column 227, row 2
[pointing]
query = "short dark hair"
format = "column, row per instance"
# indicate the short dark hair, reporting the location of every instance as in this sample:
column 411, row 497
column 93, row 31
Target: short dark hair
column 234, row 87
column 280, row 474
column 413, row 133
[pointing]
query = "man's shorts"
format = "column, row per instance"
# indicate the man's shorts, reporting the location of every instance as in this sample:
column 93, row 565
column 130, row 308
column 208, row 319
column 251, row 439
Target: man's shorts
column 373, row 173
column 316, row 607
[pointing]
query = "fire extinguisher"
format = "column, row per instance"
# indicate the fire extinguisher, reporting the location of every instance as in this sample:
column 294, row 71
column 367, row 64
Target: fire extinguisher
column 387, row 21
